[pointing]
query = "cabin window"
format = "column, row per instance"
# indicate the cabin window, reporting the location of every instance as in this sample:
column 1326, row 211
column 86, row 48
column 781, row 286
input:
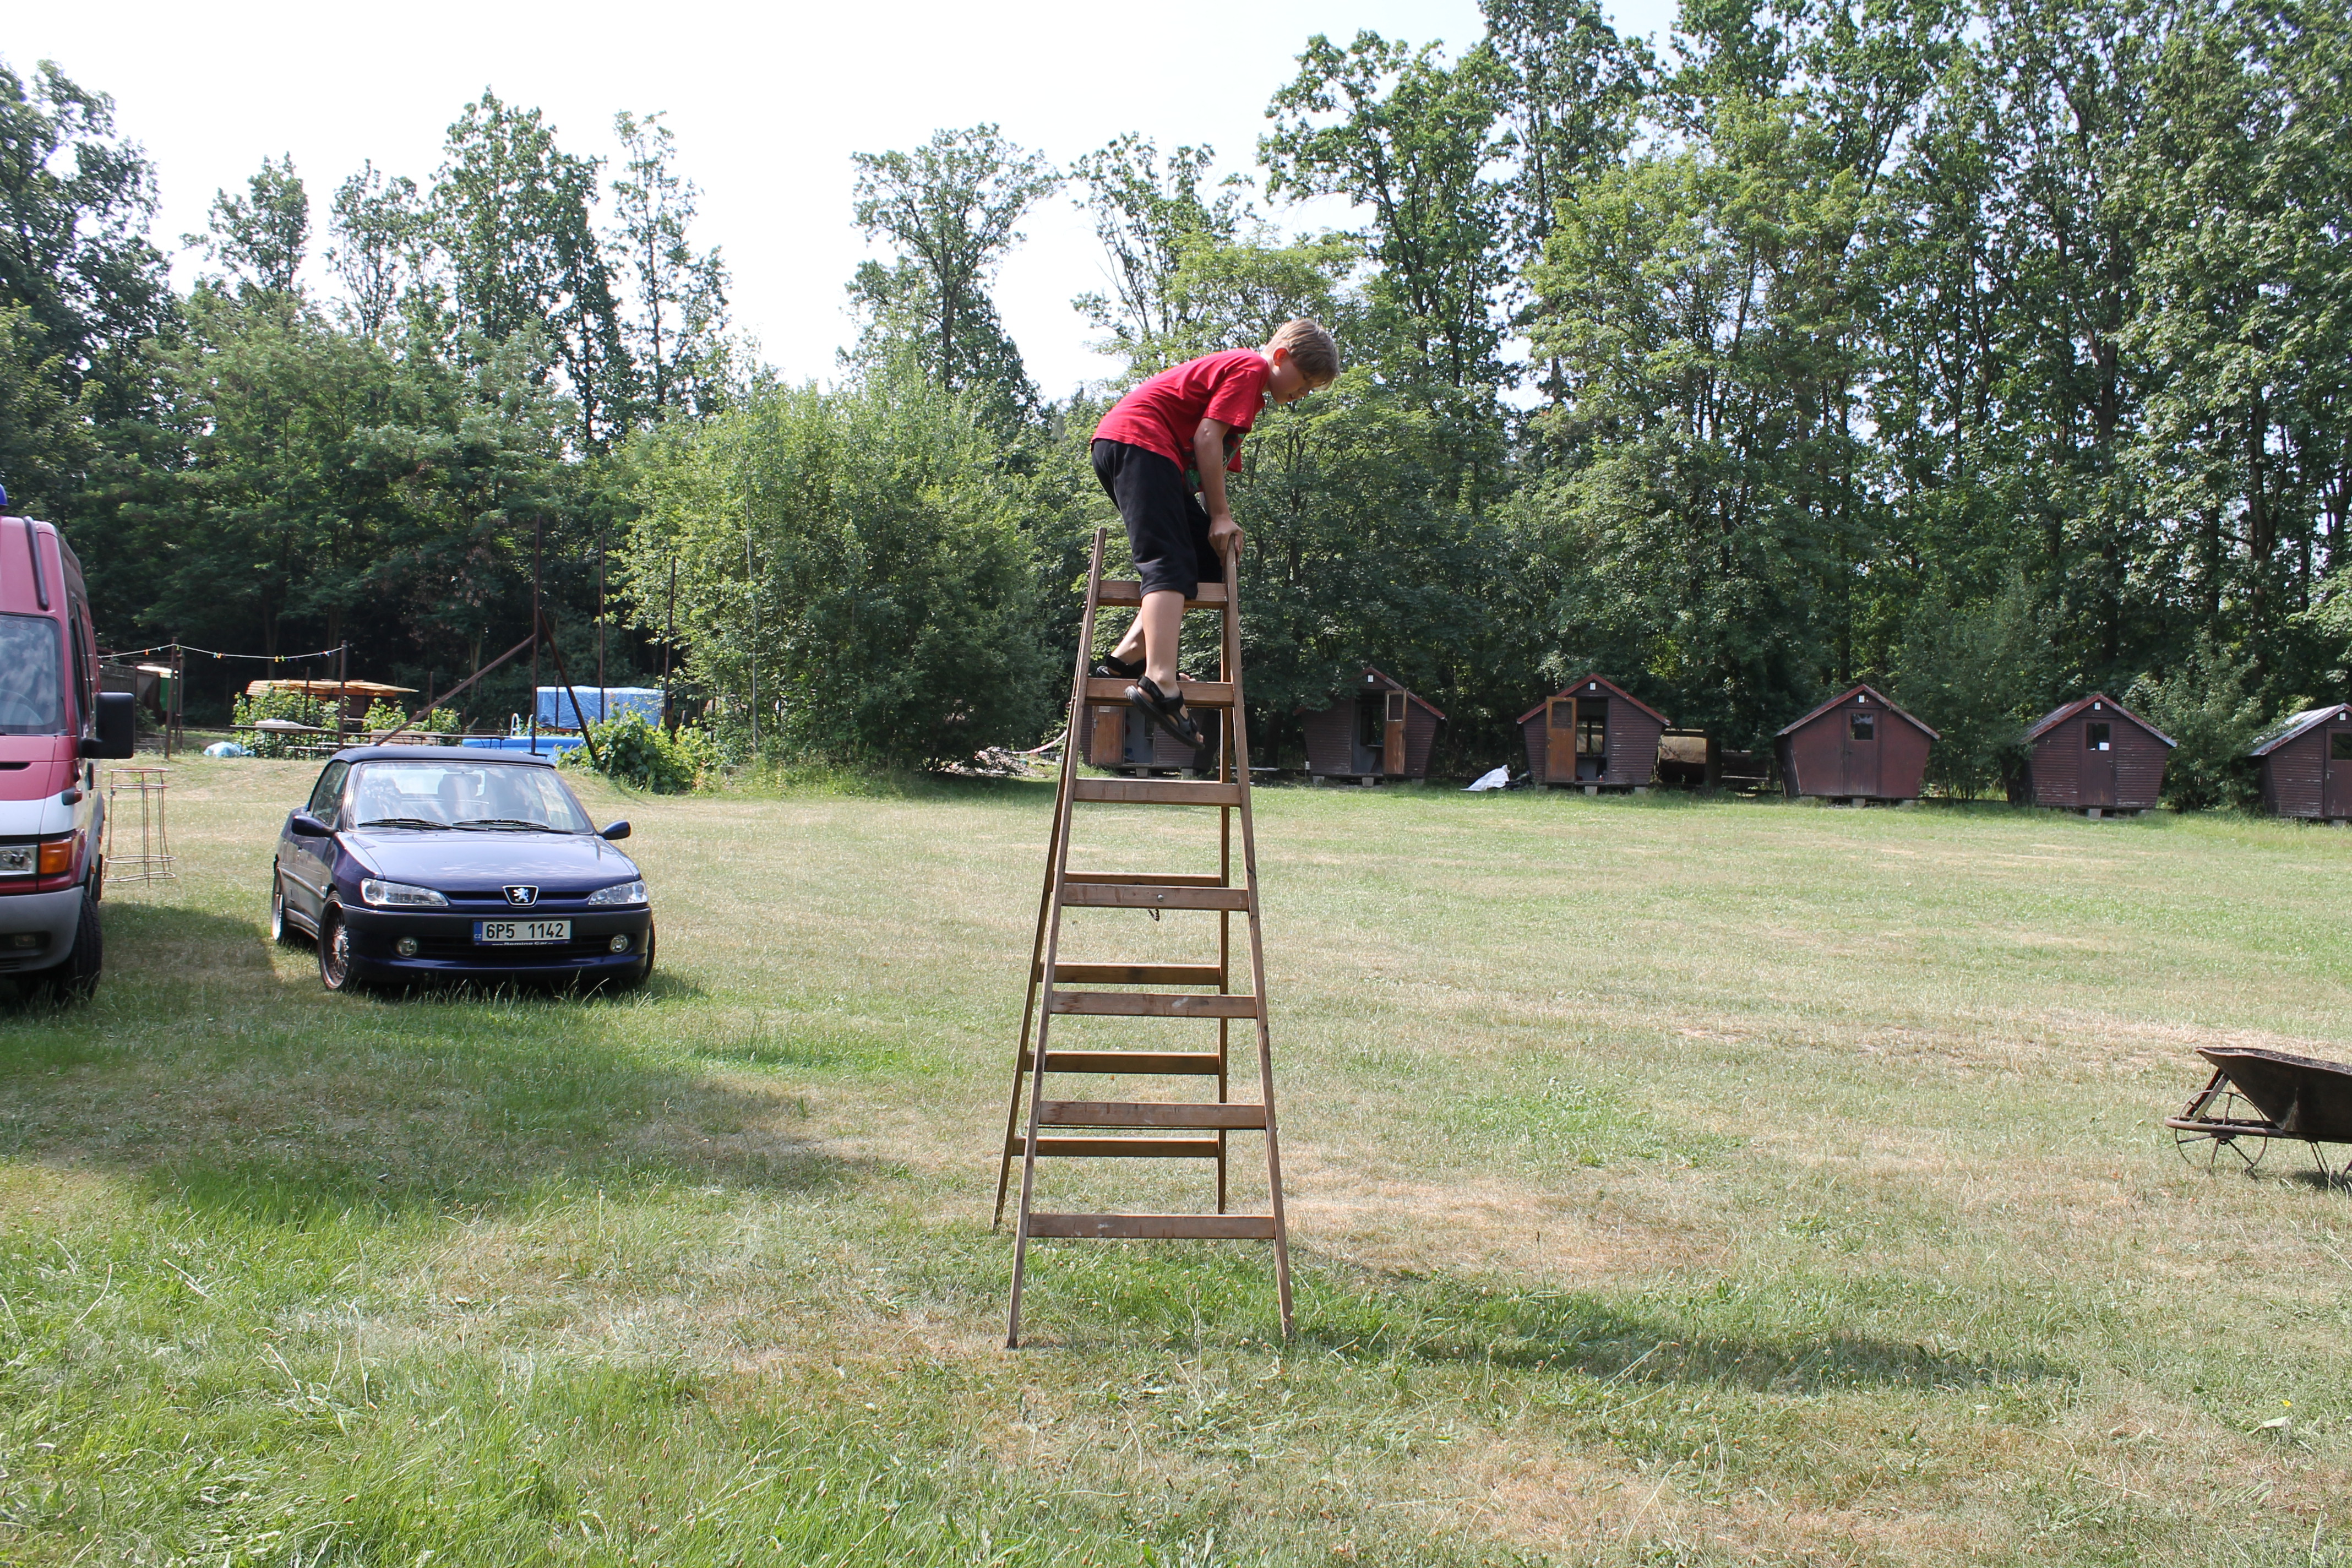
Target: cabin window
column 1862, row 726
column 2339, row 745
column 1592, row 729
column 2095, row 738
column 1563, row 715
column 1396, row 707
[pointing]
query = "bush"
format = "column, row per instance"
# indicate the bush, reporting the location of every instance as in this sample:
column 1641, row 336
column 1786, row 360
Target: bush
column 278, row 704
column 384, row 718
column 2203, row 705
column 636, row 751
column 1979, row 673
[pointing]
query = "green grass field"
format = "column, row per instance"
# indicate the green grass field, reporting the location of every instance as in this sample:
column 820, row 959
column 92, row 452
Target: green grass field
column 1671, row 1180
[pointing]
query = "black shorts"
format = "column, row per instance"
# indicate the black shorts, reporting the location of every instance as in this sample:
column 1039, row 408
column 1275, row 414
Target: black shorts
column 1167, row 526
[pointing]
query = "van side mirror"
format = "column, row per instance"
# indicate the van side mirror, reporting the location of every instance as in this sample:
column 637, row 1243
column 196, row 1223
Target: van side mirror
column 117, row 720
column 619, row 830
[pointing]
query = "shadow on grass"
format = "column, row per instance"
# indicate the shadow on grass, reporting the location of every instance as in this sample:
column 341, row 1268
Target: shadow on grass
column 218, row 1074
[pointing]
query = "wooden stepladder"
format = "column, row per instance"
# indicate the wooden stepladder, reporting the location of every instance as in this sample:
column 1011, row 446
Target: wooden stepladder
column 1191, row 1129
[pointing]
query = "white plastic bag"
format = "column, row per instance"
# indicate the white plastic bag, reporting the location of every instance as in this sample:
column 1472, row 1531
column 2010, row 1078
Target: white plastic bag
column 1499, row 779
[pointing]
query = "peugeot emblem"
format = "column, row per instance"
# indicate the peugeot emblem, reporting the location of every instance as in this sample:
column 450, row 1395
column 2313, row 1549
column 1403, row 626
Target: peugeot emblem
column 522, row 896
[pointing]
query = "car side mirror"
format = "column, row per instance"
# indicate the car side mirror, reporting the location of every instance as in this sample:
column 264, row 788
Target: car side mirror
column 619, row 830
column 306, row 826
column 117, row 726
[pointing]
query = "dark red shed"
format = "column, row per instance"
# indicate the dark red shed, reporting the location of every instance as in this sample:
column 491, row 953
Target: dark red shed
column 1378, row 729
column 2307, row 764
column 1594, row 732
column 1120, row 738
column 1857, row 747
column 2093, row 754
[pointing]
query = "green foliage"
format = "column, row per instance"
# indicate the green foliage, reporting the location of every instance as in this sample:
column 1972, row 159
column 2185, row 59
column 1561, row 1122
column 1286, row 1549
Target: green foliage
column 385, row 718
column 297, row 706
column 2207, row 704
column 636, row 751
column 1979, row 674
column 853, row 559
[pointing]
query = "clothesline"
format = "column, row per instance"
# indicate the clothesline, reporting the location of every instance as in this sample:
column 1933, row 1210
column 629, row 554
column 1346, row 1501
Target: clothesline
column 265, row 658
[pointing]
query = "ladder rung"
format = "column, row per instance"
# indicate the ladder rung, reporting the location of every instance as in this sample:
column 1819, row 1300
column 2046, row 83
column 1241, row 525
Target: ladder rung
column 1197, row 693
column 1155, row 792
column 1132, row 973
column 1119, row 592
column 1146, row 878
column 1171, row 1063
column 1147, row 1113
column 1152, row 1005
column 1155, row 1226
column 1118, row 1148
column 1155, row 896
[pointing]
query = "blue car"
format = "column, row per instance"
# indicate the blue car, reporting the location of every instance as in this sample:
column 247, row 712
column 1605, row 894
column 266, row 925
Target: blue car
column 427, row 864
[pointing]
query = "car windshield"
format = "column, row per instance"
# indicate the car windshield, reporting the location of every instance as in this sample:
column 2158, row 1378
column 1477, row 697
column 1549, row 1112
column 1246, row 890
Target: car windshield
column 484, row 796
column 31, row 690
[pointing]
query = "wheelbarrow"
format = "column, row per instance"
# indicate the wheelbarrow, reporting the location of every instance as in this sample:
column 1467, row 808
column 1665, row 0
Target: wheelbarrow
column 2254, row 1097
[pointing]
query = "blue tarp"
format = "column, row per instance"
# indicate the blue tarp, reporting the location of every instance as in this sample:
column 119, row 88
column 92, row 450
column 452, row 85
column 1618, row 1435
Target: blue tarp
column 548, row 744
column 555, row 704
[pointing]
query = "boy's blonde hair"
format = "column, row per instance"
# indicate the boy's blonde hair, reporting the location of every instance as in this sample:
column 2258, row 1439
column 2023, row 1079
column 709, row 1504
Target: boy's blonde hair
column 1312, row 351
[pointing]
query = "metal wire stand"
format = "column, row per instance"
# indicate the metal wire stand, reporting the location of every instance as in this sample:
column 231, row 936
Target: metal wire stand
column 152, row 862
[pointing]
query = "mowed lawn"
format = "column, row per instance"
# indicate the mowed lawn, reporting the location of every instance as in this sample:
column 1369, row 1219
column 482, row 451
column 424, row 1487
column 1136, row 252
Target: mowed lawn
column 1670, row 1181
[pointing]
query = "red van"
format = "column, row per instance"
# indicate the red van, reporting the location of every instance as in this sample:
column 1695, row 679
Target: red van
column 53, row 723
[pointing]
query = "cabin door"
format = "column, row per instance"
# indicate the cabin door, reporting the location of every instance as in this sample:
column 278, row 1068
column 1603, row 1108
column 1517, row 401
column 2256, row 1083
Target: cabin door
column 2336, row 773
column 1862, row 728
column 1392, row 737
column 1559, row 743
column 1109, row 737
column 2098, row 775
column 1591, row 739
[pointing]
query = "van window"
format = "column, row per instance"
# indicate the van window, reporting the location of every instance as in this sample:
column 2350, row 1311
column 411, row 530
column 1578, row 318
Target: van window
column 32, row 678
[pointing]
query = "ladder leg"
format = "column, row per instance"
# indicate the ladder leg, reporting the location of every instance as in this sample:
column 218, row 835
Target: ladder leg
column 1029, row 1002
column 1258, row 960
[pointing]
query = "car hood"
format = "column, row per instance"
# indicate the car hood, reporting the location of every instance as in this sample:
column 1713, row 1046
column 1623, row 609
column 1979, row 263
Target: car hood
column 456, row 860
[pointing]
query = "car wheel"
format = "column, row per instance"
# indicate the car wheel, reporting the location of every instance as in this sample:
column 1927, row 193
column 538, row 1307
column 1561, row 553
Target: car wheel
column 75, row 980
column 335, row 951
column 643, row 972
column 281, row 931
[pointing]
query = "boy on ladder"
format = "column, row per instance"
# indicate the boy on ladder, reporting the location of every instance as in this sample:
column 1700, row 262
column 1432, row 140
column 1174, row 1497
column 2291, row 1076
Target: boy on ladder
column 1190, row 418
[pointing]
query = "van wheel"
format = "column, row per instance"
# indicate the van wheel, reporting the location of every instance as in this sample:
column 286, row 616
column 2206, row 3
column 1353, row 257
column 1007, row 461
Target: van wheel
column 75, row 980
column 335, row 951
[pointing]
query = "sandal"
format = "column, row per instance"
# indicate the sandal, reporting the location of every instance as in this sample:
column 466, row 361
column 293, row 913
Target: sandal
column 1110, row 666
column 1166, row 710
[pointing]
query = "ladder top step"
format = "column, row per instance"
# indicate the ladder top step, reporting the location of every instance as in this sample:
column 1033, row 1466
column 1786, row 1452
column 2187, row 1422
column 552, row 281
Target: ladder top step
column 1119, row 591
column 1103, row 689
column 1147, row 879
column 1155, row 1226
column 1151, row 1004
column 1148, row 1114
column 1118, row 1148
column 1155, row 792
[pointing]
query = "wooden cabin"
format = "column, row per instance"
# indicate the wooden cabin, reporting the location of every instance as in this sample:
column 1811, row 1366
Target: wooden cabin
column 1858, row 747
column 2094, row 755
column 1377, row 731
column 2307, row 764
column 1119, row 737
column 1593, row 732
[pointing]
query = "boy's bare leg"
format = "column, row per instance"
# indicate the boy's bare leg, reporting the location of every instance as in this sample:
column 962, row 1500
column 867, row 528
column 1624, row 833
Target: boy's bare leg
column 1153, row 637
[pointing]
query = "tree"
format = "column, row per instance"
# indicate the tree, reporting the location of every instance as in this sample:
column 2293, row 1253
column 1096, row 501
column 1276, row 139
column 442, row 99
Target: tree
column 380, row 230
column 511, row 215
column 261, row 237
column 855, row 557
column 1150, row 214
column 949, row 208
column 676, row 336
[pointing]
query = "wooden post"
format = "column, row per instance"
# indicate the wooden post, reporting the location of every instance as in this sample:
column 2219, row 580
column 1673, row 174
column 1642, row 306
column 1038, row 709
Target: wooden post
column 599, row 632
column 669, row 643
column 538, row 538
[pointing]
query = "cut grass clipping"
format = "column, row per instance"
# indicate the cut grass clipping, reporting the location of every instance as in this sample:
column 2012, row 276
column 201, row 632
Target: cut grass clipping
column 1671, row 1182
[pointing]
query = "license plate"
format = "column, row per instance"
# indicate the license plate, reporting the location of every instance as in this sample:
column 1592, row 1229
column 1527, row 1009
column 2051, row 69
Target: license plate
column 521, row 932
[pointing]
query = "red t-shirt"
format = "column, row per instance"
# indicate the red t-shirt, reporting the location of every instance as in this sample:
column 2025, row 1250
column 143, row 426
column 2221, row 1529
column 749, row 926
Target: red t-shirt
column 1164, row 414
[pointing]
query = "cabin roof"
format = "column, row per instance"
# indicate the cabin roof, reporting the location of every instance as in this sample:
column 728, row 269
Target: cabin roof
column 1840, row 700
column 2060, row 714
column 1587, row 678
column 1375, row 678
column 2294, row 726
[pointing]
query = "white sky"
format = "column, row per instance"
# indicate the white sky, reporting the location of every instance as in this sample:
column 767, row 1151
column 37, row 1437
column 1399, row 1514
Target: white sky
column 767, row 103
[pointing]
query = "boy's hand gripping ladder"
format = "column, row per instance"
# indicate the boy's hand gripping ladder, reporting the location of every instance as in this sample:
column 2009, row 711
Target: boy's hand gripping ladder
column 1205, row 1125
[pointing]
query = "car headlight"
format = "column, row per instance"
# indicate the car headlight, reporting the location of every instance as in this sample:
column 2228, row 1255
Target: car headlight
column 400, row 896
column 619, row 893
column 18, row 859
